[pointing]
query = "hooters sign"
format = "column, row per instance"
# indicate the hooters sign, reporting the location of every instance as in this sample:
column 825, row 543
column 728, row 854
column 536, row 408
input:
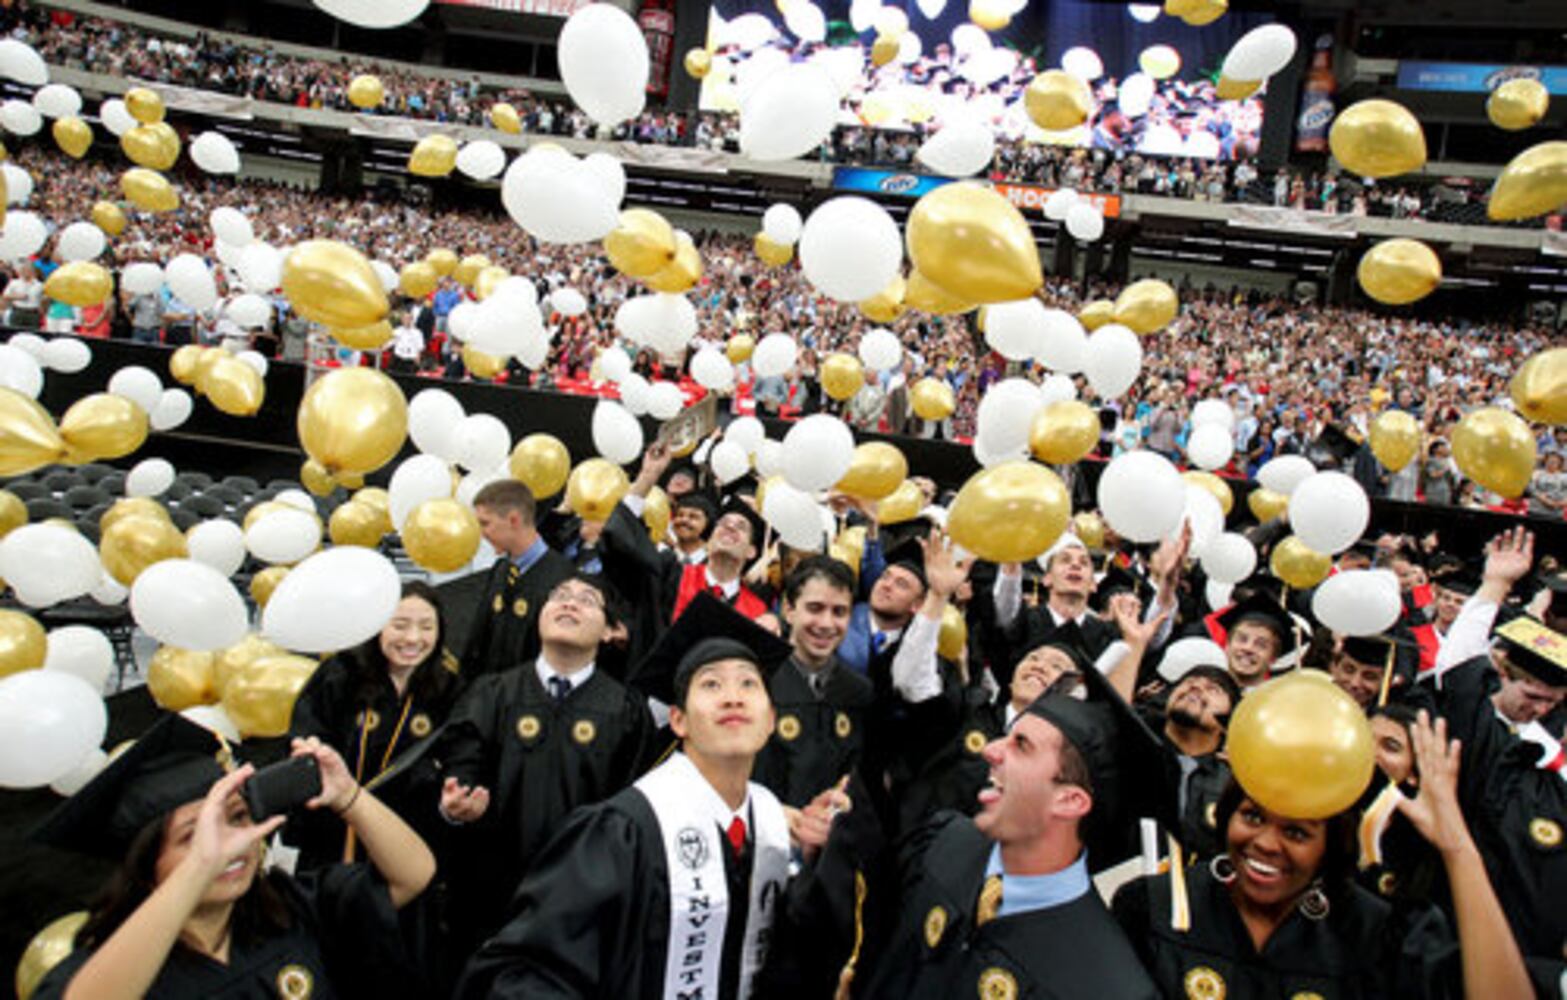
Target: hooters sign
column 1031, row 197
column 657, row 21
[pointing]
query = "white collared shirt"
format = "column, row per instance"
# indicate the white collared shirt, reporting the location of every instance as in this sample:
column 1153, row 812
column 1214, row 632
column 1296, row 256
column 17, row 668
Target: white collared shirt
column 546, row 671
column 730, row 589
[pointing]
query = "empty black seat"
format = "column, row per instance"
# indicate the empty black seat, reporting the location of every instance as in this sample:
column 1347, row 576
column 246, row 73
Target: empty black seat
column 243, row 483
column 203, row 505
column 94, row 471
column 199, row 480
column 88, row 526
column 28, row 489
column 61, row 481
column 112, row 484
column 84, row 497
column 226, row 495
column 43, row 508
column 184, row 519
column 178, row 491
column 277, row 486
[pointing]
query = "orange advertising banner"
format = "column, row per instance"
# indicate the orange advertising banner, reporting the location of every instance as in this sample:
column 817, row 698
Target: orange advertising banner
column 1031, row 198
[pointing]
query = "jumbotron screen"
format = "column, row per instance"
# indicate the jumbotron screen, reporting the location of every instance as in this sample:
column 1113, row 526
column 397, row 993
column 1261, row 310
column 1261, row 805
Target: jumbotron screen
column 1153, row 76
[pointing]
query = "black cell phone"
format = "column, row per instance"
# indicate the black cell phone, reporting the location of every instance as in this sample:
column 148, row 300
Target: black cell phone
column 281, row 787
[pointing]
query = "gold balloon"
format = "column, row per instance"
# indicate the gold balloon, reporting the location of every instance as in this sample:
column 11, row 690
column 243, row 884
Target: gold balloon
column 79, row 283
column 1395, row 439
column 656, row 513
column 952, row 639
column 904, row 504
column 48, row 948
column 504, row 117
column 642, row 244
column 1294, row 562
column 184, row 363
column 851, row 541
column 923, row 294
column 156, row 147
column 992, row 15
column 844, row 555
column 23, row 643
column 841, row 376
column 314, row 477
column 1010, row 512
column 876, row 471
column 1097, row 313
column 28, row 437
column 1205, row 12
column 1494, row 448
column 260, row 696
column 1235, row 90
column 104, row 426
column 227, row 662
column 1399, row 271
column 1300, row 747
column 265, row 582
column 1539, row 388
column 109, row 217
column 131, row 544
column 441, row 535
column 480, row 364
column 1517, row 104
column 541, row 463
column 1146, row 306
column 13, row 512
column 681, row 273
column 353, row 420
column 179, row 679
column 364, row 338
column 1378, row 138
column 738, row 349
column 594, row 488
column 366, row 91
column 884, row 49
column 144, row 105
column 356, row 523
column 1533, row 183
column 233, row 387
column 698, row 63
column 1064, row 432
column 376, row 497
column 443, row 260
column 73, row 136
column 488, row 280
column 1089, row 527
column 887, row 304
column 1213, row 484
column 469, row 267
column 974, row 244
column 771, row 252
column 132, row 507
column 331, row 283
column 932, row 399
column 1265, row 505
column 433, row 156
column 149, row 190
column 418, row 279
column 1056, row 100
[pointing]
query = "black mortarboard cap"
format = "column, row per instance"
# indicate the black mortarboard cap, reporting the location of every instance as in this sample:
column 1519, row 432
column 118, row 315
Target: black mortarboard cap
column 1116, row 580
column 911, row 556
column 174, row 762
column 707, row 630
column 1267, row 611
column 1456, row 577
column 1536, row 650
column 1372, row 651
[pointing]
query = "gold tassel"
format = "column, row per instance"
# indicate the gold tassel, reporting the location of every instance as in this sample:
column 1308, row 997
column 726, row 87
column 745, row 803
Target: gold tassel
column 846, row 977
column 1387, row 673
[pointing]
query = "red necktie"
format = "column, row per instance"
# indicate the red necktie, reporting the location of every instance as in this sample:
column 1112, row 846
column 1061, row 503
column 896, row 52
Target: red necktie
column 737, row 835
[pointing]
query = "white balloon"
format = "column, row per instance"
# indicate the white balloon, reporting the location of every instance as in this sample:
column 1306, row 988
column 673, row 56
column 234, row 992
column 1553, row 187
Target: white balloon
column 1057, row 388
column 989, row 457
column 1063, row 343
column 260, row 268
column 76, row 778
column 48, row 563
column 850, row 248
column 22, row 63
column 1136, row 94
column 20, row 117
column 214, row 719
column 219, row 543
column 710, row 369
column 473, row 482
column 22, row 236
column 138, row 384
column 256, row 360
column 769, row 458
column 1135, row 494
column 1113, row 360
column 634, row 391
column 1329, row 511
column 18, row 184
column 789, row 113
column 729, row 461
column 481, row 159
column 417, row 479
column 549, row 195
column 483, row 442
column 231, row 226
column 1015, row 330
column 336, row 599
column 1184, row 655
column 66, row 354
column 1213, row 411
column 149, row 478
column 79, row 241
column 109, row 591
column 617, row 435
column 81, row 650
column 610, row 173
column 297, row 499
column 1210, row 446
column 283, row 537
column 388, row 275
column 174, row 408
column 1260, row 53
column 985, row 67
column 1203, row 513
column 214, row 153
column 1217, row 594
column 433, row 418
column 20, row 371
column 1059, row 203
column 227, row 255
column 185, row 603
column 806, row 20
column 141, row 278
column 49, row 722
column 817, row 452
column 249, row 311
column 1005, row 415
column 1283, row 474
column 614, row 364
column 1229, row 558
column 880, row 350
column 190, row 280
column 1084, row 222
column 116, row 117
column 665, row 401
column 774, row 355
column 960, row 149
column 794, row 515
column 1358, row 602
column 603, row 62
column 568, row 302
column 747, row 432
column 782, row 224
column 374, row 13
column 1083, row 63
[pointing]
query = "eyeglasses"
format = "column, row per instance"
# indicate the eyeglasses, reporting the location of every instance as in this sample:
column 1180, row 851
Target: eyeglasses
column 584, row 597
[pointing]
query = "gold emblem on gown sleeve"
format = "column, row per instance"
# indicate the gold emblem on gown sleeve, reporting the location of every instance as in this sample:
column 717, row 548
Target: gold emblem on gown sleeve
column 497, row 604
column 1306, row 995
column 1545, row 832
column 1202, row 983
column 842, row 726
column 294, row 982
column 519, row 607
column 1387, row 882
column 370, row 719
column 584, row 731
column 935, row 926
column 1210, row 815
column 788, row 727
column 528, row 727
column 975, row 741
column 997, row 984
column 419, row 725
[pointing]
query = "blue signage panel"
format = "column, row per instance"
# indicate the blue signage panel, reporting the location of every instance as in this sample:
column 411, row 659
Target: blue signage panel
column 1475, row 78
column 893, row 182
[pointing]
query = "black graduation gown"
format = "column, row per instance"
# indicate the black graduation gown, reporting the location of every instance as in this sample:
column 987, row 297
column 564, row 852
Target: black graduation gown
column 1363, row 949
column 1034, row 626
column 936, row 951
column 816, row 741
column 539, row 761
column 344, row 941
column 505, row 631
column 592, row 917
column 953, row 769
column 642, row 575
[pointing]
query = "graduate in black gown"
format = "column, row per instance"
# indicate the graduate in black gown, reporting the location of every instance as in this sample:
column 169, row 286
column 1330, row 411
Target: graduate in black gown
column 668, row 888
column 525, row 747
column 504, row 629
column 192, row 915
